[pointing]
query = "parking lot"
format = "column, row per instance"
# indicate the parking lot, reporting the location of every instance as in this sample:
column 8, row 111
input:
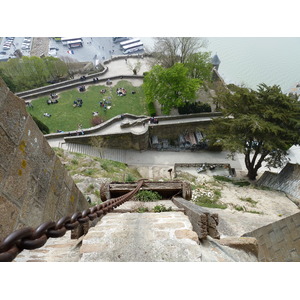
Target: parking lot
column 9, row 45
column 95, row 49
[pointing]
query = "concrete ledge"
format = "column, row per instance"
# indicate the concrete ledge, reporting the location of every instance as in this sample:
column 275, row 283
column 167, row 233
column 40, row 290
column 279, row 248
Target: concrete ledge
column 203, row 222
column 247, row 244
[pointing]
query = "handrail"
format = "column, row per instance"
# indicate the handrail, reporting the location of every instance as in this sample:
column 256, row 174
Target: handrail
column 29, row 238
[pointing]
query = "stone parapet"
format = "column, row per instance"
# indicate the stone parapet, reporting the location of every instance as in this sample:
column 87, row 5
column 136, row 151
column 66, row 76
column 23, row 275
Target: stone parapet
column 279, row 241
column 34, row 185
column 203, row 222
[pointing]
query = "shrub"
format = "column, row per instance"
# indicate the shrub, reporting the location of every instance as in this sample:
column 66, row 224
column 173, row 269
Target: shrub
column 192, row 108
column 161, row 208
column 129, row 178
column 151, row 109
column 74, row 161
column 222, row 178
column 142, row 209
column 148, row 196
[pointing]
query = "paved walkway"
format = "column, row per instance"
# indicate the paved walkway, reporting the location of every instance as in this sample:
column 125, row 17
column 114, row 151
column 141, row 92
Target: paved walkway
column 137, row 237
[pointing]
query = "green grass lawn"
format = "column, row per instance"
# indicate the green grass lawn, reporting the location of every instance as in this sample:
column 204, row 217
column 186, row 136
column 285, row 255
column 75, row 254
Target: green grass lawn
column 65, row 117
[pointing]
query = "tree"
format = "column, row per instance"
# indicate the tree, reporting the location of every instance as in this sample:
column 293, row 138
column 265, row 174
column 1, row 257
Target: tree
column 32, row 72
column 261, row 124
column 170, row 87
column 170, row 50
column 135, row 68
column 199, row 65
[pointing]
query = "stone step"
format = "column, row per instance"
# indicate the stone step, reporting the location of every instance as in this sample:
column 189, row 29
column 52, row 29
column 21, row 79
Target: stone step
column 141, row 237
column 61, row 249
column 137, row 237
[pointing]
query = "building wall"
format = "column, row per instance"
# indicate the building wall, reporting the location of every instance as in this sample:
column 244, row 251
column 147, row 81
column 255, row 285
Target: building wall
column 279, row 241
column 34, row 185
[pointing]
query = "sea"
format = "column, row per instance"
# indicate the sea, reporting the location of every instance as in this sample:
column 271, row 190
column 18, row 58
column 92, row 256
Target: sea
column 250, row 61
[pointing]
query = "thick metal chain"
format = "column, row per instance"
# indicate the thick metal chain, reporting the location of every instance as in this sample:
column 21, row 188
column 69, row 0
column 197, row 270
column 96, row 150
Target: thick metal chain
column 29, row 238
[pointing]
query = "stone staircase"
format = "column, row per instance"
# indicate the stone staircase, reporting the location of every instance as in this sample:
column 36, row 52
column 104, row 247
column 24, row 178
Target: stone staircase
column 124, row 236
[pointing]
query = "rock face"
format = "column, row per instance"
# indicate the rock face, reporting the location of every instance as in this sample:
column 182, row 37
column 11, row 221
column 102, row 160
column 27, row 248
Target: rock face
column 34, row 185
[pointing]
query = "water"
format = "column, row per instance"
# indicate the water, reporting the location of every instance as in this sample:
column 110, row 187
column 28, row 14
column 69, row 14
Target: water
column 254, row 60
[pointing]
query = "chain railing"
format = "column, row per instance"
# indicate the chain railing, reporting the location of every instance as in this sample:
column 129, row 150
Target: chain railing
column 29, row 238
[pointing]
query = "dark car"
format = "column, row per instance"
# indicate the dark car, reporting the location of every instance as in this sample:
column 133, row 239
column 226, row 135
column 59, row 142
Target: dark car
column 2, row 53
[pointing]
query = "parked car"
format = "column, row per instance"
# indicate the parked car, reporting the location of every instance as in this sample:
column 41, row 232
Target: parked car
column 2, row 53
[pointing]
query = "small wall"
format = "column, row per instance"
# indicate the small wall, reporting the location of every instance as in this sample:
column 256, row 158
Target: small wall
column 204, row 223
column 288, row 180
column 279, row 241
column 125, row 140
column 34, row 185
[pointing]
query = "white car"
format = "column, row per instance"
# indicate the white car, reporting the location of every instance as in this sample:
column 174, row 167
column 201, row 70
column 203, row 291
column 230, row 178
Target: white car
column 25, row 47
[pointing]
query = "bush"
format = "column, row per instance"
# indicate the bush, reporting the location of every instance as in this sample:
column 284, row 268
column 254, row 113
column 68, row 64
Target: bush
column 192, row 108
column 43, row 128
column 161, row 208
column 148, row 196
column 142, row 209
column 130, row 178
column 151, row 109
column 222, row 178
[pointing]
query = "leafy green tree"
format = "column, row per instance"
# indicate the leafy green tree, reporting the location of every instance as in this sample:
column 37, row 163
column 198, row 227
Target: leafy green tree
column 261, row 124
column 199, row 65
column 171, row 87
column 57, row 68
column 9, row 82
column 32, row 72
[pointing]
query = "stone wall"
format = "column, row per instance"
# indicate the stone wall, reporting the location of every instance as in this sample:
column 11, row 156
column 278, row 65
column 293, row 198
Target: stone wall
column 204, row 223
column 125, row 140
column 139, row 140
column 288, row 180
column 34, row 185
column 279, row 241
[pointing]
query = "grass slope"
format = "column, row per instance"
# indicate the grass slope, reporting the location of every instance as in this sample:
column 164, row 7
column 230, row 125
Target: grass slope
column 65, row 117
